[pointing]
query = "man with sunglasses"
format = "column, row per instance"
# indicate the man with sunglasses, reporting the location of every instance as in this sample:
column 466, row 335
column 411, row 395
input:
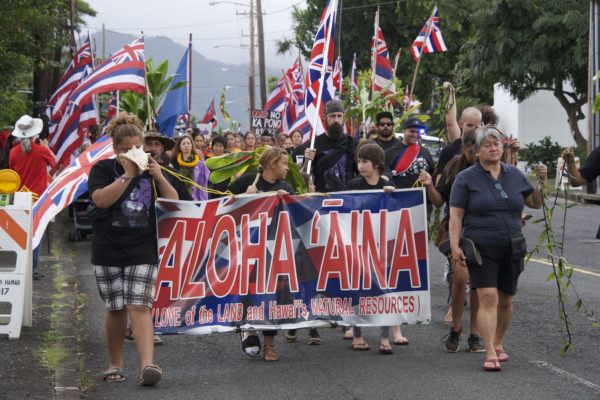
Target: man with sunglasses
column 385, row 126
column 406, row 159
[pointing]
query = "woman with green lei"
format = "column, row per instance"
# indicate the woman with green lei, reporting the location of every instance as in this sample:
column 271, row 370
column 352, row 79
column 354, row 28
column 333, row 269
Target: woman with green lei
column 190, row 164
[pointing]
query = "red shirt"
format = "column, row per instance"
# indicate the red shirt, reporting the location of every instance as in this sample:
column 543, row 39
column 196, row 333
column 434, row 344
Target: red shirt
column 32, row 167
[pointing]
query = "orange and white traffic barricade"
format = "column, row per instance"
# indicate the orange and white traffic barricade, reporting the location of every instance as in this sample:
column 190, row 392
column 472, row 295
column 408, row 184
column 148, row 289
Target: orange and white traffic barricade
column 15, row 264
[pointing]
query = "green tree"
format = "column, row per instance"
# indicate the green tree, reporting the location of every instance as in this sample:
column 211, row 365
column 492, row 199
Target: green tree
column 531, row 45
column 159, row 84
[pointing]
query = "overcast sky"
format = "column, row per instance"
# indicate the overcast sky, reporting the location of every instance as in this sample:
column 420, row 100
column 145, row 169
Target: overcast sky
column 210, row 25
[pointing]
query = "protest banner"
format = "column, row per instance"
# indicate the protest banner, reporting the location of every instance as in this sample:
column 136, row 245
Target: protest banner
column 266, row 121
column 269, row 262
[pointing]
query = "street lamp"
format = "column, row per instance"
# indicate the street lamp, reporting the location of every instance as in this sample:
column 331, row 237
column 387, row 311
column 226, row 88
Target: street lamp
column 241, row 46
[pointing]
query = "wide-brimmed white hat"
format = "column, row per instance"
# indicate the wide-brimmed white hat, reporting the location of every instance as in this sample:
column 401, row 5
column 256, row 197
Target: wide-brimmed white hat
column 27, row 127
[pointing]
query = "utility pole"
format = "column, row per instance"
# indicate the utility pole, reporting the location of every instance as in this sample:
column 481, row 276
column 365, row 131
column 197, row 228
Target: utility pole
column 103, row 42
column 261, row 54
column 251, row 86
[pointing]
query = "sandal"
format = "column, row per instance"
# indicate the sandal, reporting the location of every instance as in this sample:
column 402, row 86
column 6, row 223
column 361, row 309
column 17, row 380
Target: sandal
column 401, row 342
column 349, row 334
column 269, row 353
column 113, row 375
column 129, row 333
column 362, row 346
column 502, row 356
column 492, row 364
column 151, row 375
column 158, row 341
column 386, row 349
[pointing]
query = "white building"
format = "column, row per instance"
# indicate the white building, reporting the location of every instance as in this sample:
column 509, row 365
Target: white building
column 538, row 116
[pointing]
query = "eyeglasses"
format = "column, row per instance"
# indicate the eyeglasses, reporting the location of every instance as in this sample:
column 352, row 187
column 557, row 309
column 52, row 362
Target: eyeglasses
column 499, row 187
column 386, row 124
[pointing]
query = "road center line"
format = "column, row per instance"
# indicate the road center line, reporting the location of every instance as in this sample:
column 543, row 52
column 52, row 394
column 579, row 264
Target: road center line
column 576, row 269
column 565, row 374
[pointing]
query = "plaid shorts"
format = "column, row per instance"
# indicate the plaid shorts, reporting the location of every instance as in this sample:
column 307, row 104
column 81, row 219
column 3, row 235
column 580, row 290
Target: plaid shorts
column 133, row 284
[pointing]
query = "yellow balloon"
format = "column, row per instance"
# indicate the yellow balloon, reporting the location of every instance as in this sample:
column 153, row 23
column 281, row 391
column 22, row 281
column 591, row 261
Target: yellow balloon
column 10, row 181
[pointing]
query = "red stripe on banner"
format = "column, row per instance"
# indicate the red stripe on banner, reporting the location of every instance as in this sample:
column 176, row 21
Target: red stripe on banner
column 13, row 229
column 333, row 203
column 421, row 245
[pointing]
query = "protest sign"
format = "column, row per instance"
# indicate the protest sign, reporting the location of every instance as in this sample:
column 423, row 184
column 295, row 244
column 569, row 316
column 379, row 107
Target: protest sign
column 205, row 129
column 266, row 121
column 269, row 262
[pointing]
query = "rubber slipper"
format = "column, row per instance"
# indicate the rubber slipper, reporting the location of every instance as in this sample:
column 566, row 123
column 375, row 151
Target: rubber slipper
column 158, row 341
column 386, row 349
column 401, row 342
column 113, row 375
column 129, row 334
column 364, row 346
column 151, row 375
column 502, row 356
column 495, row 365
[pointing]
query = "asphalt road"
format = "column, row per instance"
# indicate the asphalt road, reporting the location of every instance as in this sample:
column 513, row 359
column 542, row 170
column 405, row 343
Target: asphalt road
column 213, row 366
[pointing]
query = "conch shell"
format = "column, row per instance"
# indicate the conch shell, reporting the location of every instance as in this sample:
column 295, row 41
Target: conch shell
column 138, row 156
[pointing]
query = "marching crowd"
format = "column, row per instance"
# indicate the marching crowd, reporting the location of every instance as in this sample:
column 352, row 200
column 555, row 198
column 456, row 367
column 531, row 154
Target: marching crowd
column 475, row 180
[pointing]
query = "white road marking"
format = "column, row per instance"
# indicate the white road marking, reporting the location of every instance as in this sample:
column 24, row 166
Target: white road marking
column 565, row 374
column 576, row 269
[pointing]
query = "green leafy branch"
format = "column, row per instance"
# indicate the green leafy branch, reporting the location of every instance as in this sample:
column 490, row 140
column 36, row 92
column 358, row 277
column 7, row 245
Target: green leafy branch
column 562, row 270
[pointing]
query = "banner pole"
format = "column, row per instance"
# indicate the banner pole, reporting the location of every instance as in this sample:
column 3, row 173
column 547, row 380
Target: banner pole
column 321, row 82
column 190, row 82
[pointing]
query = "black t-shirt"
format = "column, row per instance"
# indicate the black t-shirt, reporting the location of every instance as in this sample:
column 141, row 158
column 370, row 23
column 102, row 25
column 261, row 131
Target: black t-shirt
column 406, row 179
column 591, row 167
column 124, row 233
column 362, row 184
column 334, row 164
column 448, row 152
column 241, row 184
column 387, row 145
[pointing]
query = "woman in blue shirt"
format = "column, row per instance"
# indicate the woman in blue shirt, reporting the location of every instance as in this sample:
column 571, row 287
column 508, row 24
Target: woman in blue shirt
column 486, row 203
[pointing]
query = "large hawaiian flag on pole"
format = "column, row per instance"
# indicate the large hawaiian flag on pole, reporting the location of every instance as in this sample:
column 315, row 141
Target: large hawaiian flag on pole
column 430, row 38
column 382, row 70
column 276, row 100
column 338, row 79
column 124, row 70
column 71, row 183
column 319, row 83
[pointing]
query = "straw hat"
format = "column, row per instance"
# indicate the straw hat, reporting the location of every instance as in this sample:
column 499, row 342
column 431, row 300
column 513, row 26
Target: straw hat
column 27, row 127
column 10, row 181
column 167, row 142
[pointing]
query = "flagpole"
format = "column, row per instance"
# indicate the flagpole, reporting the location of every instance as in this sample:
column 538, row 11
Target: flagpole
column 374, row 53
column 149, row 122
column 396, row 61
column 321, row 83
column 96, row 99
column 190, row 82
column 414, row 78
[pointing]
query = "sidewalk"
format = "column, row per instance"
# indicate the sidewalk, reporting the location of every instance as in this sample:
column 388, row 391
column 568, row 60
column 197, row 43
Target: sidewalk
column 43, row 363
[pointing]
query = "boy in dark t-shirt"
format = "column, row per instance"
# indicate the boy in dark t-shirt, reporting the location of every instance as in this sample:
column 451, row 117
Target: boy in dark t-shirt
column 371, row 161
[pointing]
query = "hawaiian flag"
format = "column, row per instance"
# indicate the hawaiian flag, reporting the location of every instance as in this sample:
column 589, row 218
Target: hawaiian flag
column 68, row 186
column 124, row 70
column 338, row 80
column 319, row 82
column 72, row 129
column 429, row 39
column 382, row 70
column 81, row 65
column 303, row 125
column 209, row 116
column 276, row 100
column 112, row 108
column 354, row 78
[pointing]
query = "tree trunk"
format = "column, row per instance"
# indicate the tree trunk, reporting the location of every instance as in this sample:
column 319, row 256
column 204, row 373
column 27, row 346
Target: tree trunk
column 574, row 113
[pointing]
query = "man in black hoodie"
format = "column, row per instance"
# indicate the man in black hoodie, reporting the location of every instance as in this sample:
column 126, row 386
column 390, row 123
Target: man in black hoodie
column 334, row 162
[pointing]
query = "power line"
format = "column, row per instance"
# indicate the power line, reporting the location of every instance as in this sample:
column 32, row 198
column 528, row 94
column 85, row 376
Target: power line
column 371, row 5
